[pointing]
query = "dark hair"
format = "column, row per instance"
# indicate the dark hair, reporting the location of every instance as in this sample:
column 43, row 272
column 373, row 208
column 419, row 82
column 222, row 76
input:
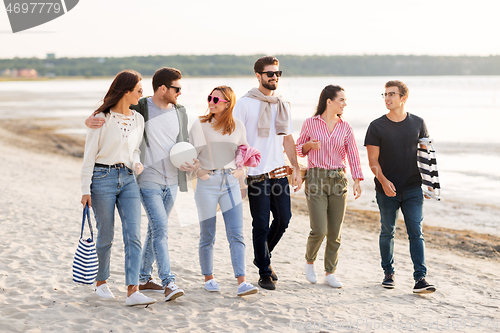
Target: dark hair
column 165, row 76
column 263, row 62
column 124, row 82
column 403, row 88
column 226, row 123
column 329, row 92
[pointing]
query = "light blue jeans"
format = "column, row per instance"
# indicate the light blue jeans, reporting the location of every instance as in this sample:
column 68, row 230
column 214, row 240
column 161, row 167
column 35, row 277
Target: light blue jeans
column 117, row 187
column 224, row 189
column 158, row 201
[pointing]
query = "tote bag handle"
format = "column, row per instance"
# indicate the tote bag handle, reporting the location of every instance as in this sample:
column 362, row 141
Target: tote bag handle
column 86, row 213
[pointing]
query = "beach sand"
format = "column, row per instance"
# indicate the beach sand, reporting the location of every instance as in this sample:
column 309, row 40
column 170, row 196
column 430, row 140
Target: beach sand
column 40, row 216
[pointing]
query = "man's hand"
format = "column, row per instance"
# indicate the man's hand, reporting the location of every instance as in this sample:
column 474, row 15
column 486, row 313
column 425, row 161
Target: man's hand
column 389, row 188
column 190, row 167
column 94, row 122
column 86, row 200
column 430, row 189
column 296, row 179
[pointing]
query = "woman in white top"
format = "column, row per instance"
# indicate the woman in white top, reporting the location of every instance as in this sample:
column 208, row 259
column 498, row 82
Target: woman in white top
column 216, row 137
column 111, row 155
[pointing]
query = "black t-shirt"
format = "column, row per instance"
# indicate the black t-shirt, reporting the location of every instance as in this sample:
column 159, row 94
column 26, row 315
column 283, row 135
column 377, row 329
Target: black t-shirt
column 398, row 143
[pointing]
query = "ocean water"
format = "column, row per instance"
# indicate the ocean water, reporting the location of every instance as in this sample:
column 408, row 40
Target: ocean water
column 461, row 113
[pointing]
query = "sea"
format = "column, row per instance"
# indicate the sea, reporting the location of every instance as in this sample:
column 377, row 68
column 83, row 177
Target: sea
column 462, row 114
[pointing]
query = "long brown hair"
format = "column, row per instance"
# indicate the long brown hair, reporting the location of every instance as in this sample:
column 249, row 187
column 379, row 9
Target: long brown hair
column 124, row 82
column 225, row 124
column 329, row 92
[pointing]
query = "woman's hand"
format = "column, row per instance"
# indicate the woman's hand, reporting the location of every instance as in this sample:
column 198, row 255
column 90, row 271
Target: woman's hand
column 238, row 173
column 202, row 174
column 356, row 189
column 86, row 200
column 311, row 144
column 138, row 168
column 190, row 167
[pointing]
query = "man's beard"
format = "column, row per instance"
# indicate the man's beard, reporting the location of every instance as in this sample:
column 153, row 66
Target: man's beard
column 268, row 86
column 168, row 100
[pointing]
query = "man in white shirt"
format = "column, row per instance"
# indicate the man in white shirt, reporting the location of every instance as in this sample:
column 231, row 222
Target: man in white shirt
column 268, row 122
column 165, row 124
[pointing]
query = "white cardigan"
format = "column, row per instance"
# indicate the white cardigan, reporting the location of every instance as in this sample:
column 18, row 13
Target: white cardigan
column 112, row 143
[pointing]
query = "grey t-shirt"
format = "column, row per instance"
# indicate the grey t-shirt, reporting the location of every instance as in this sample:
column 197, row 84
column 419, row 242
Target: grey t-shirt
column 162, row 132
column 398, row 143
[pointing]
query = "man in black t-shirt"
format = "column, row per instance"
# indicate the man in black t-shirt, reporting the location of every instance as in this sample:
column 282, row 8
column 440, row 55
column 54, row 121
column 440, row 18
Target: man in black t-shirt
column 391, row 142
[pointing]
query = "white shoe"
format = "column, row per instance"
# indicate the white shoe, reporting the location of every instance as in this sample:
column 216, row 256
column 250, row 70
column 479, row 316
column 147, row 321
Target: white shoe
column 246, row 288
column 212, row 285
column 138, row 298
column 311, row 275
column 332, row 281
column 104, row 292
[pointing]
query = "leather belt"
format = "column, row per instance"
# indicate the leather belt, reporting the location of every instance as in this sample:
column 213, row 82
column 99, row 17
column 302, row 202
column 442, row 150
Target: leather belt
column 277, row 173
column 115, row 166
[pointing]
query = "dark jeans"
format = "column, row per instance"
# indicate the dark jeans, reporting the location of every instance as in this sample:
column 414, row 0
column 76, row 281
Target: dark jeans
column 411, row 204
column 270, row 195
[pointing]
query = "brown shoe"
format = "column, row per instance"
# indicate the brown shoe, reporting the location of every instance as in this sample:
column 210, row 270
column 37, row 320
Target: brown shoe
column 151, row 285
column 172, row 292
column 274, row 277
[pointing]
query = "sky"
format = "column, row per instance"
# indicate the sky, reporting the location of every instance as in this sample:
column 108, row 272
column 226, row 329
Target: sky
column 117, row 28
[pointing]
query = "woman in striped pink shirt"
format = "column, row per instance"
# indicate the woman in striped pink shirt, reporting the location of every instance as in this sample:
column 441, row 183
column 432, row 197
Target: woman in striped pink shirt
column 328, row 141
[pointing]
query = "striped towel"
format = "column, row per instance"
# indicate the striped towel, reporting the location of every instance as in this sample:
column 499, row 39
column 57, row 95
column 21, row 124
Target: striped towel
column 427, row 166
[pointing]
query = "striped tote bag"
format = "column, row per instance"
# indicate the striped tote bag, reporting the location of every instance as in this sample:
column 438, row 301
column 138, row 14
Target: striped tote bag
column 85, row 263
column 427, row 165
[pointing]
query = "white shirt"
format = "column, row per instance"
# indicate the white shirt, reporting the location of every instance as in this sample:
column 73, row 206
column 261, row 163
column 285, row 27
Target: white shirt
column 116, row 141
column 271, row 148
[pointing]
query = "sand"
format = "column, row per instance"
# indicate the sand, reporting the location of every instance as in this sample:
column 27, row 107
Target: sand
column 40, row 216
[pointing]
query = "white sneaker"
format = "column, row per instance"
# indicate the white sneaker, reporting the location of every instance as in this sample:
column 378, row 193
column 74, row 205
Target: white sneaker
column 138, row 298
column 104, row 292
column 246, row 288
column 212, row 285
column 332, row 281
column 311, row 275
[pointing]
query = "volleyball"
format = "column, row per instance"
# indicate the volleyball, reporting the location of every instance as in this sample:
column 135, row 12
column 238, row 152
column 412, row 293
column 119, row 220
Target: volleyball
column 181, row 153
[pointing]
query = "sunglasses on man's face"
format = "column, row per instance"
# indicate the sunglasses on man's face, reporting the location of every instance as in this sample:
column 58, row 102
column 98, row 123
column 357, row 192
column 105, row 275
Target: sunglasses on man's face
column 270, row 74
column 215, row 99
column 177, row 89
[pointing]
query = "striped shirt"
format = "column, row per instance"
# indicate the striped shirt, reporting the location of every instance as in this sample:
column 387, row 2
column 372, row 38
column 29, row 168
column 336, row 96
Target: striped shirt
column 336, row 147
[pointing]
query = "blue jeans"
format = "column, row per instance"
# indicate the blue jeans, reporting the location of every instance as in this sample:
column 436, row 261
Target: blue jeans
column 224, row 189
column 411, row 204
column 270, row 195
column 158, row 201
column 117, row 187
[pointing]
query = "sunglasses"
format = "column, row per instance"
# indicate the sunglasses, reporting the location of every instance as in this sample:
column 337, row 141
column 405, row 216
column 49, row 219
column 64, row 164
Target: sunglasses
column 215, row 99
column 271, row 73
column 177, row 89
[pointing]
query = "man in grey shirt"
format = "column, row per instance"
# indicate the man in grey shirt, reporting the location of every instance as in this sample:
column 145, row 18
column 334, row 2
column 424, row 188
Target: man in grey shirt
column 165, row 124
